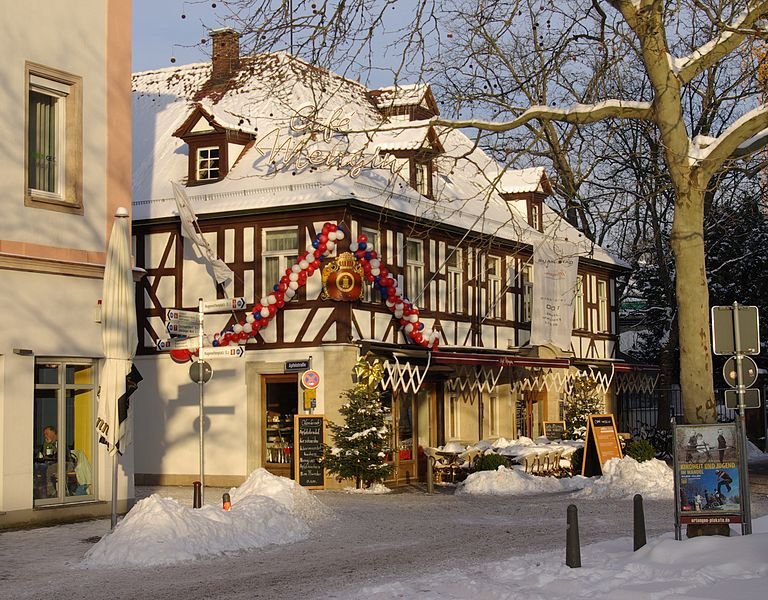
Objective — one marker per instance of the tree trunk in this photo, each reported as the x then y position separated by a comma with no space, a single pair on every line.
693,307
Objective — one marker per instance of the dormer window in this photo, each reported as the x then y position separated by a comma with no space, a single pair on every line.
534,214
422,177
208,165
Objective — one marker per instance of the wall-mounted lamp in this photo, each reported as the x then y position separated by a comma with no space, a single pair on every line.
23,352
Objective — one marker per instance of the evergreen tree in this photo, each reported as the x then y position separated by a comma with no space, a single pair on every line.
360,445
584,400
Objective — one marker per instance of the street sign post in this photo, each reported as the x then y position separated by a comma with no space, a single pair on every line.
751,398
177,344
748,371
181,316
223,304
200,371
182,328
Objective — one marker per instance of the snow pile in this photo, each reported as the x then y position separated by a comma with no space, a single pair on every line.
159,531
516,482
623,478
754,454
702,568
376,488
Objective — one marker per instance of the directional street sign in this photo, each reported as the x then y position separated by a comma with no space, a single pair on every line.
177,344
182,316
222,352
182,328
223,304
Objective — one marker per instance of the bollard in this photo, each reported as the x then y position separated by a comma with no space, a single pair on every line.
572,547
226,502
430,474
197,494
640,540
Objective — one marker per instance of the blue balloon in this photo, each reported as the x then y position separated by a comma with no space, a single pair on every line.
315,243
275,287
257,316
215,343
421,325
368,256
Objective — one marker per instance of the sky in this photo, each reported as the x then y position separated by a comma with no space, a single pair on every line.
268,509
160,32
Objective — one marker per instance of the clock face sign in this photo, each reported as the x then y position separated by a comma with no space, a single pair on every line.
310,379
342,279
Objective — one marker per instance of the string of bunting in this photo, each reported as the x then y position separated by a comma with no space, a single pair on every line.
296,276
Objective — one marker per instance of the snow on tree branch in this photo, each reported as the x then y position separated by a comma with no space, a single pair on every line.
746,135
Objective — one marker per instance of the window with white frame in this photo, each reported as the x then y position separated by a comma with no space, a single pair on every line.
54,151
280,251
455,279
578,303
422,178
602,306
414,269
208,163
493,414
535,216
370,293
494,286
527,285
453,408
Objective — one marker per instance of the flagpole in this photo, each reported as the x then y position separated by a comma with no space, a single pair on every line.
114,490
200,388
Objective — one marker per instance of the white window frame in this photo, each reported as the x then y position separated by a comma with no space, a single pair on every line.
493,413
212,170
578,303
421,175
414,269
526,277
603,322
453,410
370,293
493,270
454,262
286,257
66,150
535,217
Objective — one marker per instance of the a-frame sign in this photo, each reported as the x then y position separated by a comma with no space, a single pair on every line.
600,445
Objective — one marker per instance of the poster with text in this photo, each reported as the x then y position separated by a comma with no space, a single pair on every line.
707,474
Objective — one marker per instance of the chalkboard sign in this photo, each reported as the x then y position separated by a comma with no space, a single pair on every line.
601,444
554,430
308,439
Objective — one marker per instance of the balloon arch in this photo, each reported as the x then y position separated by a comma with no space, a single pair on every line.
284,290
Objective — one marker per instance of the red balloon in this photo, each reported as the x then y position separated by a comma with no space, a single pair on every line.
181,355
417,337
362,238
315,264
272,309
310,270
332,227
280,303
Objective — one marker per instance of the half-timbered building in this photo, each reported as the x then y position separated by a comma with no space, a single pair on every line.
351,226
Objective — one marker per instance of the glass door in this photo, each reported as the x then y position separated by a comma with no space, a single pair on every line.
63,441
281,401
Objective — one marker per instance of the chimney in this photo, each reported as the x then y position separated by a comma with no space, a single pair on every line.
226,54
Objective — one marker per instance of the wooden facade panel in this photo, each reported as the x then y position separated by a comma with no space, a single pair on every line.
162,292
318,323
159,251
363,324
330,334
229,246
293,322
249,244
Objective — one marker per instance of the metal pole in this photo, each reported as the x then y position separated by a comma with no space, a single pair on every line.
200,388
741,430
639,523
572,546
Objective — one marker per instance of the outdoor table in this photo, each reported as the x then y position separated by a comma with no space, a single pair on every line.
451,458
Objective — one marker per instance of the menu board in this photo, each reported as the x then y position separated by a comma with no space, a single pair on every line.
554,430
308,439
601,444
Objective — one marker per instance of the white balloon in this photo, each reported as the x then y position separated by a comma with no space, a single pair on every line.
332,236
295,268
389,303
293,285
290,292
264,301
237,328
310,248
248,328
271,299
399,306
369,247
408,328
303,265
330,246
265,312
413,318
353,247
339,235
375,272
292,277
249,318
398,314
375,263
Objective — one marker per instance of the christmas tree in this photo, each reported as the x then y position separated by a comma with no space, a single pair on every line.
584,400
360,445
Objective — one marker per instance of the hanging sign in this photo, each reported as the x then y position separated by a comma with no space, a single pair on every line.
342,278
601,444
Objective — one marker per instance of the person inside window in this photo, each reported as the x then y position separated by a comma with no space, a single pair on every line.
46,464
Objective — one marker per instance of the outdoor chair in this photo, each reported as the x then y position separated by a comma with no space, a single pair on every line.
442,471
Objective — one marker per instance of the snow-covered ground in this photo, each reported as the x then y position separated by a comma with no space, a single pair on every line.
501,535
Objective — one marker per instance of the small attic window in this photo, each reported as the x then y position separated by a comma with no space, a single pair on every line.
208,156
421,177
208,161
534,214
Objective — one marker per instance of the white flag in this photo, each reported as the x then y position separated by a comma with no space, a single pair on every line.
189,230
555,275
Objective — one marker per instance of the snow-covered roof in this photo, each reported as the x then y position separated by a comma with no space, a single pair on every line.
317,136
401,95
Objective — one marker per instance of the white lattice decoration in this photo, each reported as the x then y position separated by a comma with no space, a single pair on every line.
403,377
475,379
635,381
552,380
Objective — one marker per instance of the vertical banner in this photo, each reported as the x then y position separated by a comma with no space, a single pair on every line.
555,271
707,480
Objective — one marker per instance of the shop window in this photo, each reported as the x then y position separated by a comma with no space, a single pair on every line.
453,408
280,251
414,269
281,403
63,440
54,146
455,279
